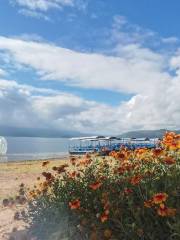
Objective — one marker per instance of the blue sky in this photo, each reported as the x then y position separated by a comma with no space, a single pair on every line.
108,63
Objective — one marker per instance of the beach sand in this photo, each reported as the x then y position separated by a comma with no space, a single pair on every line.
11,176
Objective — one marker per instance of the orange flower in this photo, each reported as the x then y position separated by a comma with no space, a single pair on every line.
169,137
157,152
141,151
159,198
112,154
104,217
171,212
164,211
171,140
95,186
169,160
74,204
148,203
135,180
73,174
120,155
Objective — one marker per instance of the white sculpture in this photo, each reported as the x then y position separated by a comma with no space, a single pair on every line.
3,146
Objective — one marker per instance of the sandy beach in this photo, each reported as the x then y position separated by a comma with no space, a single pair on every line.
12,174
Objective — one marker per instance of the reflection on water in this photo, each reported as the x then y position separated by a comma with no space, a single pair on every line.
27,148
3,158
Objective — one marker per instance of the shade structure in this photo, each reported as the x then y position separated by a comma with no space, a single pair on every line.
3,146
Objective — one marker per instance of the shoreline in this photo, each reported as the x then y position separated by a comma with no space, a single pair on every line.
4,159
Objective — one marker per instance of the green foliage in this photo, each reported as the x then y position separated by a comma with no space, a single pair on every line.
128,195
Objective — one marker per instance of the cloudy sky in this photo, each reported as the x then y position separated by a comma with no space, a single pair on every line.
92,66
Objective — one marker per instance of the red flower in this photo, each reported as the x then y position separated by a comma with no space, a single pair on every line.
135,180
128,191
148,203
157,151
169,160
72,175
159,198
95,186
141,151
74,204
104,217
164,211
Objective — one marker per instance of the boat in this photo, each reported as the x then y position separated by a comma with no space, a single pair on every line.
103,145
85,145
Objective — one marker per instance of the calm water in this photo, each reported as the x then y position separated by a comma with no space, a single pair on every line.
27,148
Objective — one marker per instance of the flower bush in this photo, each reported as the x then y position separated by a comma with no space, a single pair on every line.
127,195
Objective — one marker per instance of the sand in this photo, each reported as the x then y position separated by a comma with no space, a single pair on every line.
11,176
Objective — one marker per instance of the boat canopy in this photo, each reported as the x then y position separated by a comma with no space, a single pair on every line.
86,138
95,138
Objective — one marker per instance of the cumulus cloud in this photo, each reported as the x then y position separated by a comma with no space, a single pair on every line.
136,70
152,77
28,106
24,105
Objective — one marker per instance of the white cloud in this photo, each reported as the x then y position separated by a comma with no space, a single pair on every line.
39,8
43,5
135,70
27,106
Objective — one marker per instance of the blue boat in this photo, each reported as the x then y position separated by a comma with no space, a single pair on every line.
103,145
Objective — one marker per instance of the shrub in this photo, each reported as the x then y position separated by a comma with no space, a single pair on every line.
127,195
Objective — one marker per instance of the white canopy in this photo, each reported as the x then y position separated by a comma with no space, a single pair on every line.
3,146
87,138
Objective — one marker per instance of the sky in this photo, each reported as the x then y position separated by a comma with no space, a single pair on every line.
91,66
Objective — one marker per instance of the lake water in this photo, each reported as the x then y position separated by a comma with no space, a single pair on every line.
29,148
